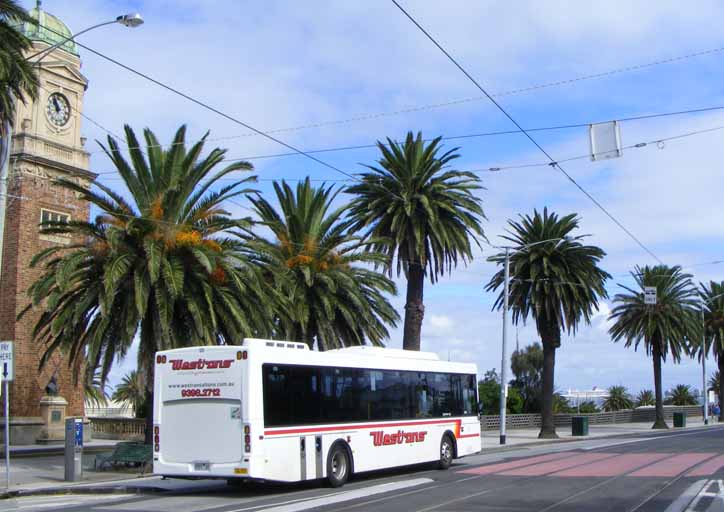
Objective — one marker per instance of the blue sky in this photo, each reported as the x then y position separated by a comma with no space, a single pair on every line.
283,65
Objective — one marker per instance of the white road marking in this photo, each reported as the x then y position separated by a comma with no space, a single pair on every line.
344,496
53,502
713,489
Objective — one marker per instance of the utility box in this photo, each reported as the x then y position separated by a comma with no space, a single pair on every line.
679,419
73,449
579,425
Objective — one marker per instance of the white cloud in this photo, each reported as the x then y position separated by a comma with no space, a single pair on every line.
279,64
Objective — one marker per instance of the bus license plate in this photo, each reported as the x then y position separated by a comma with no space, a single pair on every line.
201,466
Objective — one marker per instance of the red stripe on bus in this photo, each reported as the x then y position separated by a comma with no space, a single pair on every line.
468,435
357,427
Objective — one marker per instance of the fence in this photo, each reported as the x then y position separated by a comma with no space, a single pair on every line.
513,421
128,429
132,429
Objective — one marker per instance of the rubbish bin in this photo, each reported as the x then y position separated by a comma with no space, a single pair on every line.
579,425
679,419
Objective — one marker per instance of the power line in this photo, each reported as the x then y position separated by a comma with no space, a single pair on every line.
659,142
553,163
452,137
433,106
213,109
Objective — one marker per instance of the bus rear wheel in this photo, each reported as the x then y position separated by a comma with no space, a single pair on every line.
446,452
338,466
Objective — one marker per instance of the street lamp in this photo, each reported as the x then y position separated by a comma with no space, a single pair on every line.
129,20
503,359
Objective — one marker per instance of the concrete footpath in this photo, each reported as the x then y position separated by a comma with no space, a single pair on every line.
34,472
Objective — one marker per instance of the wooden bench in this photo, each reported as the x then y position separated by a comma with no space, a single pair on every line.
127,452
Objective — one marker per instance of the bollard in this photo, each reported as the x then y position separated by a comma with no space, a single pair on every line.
73,449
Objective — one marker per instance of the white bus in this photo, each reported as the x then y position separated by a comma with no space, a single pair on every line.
275,410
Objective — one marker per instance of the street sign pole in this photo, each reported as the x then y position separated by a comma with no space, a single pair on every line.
8,374
7,426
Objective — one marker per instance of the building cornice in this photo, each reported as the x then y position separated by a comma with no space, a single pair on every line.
53,164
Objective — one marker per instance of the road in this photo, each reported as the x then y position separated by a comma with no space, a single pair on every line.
671,472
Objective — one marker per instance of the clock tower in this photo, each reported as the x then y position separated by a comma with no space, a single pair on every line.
46,144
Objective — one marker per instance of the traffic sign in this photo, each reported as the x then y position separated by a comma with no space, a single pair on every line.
7,368
650,295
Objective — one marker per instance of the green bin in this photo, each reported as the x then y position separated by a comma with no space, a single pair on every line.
679,419
579,426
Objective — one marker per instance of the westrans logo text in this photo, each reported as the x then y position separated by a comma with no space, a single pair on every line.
200,364
379,438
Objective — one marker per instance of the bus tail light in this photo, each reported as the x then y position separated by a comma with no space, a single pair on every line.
247,438
156,438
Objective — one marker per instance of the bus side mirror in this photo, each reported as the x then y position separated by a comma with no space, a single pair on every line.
480,408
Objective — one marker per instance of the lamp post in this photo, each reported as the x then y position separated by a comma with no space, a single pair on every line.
504,355
129,20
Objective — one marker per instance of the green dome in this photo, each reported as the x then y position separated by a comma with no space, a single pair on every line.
49,30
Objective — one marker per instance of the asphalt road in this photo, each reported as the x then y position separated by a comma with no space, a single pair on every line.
672,471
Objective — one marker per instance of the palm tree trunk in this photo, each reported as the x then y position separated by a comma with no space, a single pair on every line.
660,422
720,391
548,426
148,438
147,367
414,308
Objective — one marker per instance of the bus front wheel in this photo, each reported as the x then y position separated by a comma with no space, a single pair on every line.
446,452
338,466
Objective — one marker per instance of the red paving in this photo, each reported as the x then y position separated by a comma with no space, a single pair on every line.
708,468
495,468
673,465
616,466
602,464
557,465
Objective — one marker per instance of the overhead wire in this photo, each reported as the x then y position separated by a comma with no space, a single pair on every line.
658,141
556,83
553,162
214,110
352,147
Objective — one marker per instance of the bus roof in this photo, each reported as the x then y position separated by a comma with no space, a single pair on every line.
360,356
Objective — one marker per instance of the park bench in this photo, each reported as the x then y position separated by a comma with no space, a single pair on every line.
126,452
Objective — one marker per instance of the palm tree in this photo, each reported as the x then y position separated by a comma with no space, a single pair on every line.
588,407
645,397
421,213
618,399
18,79
712,296
132,391
94,390
561,405
666,327
319,267
681,395
159,265
556,279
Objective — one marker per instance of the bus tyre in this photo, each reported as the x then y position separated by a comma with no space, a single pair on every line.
338,466
446,452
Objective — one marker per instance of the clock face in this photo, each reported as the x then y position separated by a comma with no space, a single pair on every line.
58,109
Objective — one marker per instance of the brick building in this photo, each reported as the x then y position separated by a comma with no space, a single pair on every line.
46,144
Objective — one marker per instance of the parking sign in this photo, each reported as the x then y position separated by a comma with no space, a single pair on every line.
7,368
